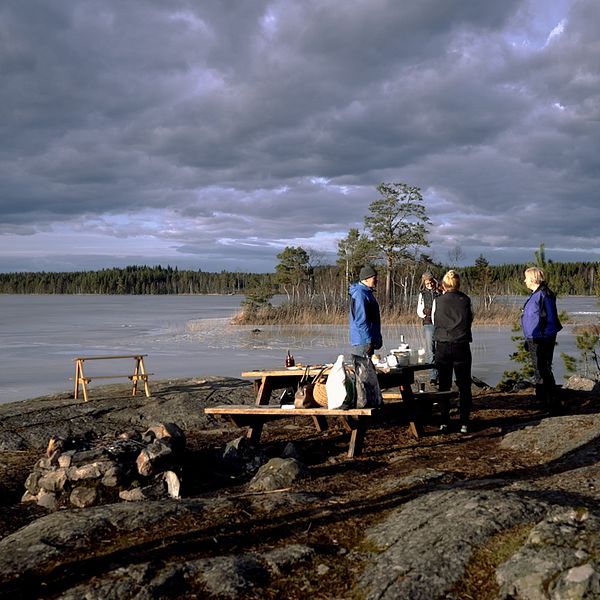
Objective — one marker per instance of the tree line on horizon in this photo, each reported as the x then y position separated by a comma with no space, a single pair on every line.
130,280
577,278
393,239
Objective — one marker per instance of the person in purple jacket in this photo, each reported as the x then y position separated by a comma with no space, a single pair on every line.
540,324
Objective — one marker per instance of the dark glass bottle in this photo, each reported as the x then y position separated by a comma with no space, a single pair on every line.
289,360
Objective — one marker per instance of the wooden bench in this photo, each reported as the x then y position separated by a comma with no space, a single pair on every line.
354,420
254,417
139,373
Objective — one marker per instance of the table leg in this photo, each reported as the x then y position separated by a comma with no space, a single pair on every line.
264,391
348,424
357,438
320,423
254,431
414,426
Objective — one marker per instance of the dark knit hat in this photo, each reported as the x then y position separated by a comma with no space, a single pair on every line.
366,272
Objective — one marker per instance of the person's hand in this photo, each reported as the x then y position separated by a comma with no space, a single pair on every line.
370,349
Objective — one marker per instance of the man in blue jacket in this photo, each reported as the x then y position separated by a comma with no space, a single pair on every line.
365,321
365,337
540,325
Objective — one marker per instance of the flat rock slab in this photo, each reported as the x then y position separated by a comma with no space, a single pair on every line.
65,540
425,546
219,576
31,423
559,560
65,536
555,437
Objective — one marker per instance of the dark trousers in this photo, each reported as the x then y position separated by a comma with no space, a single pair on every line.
455,357
541,354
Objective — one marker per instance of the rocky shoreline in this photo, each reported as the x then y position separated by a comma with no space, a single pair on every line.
508,511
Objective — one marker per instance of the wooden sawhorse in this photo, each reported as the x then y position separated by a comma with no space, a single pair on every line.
139,373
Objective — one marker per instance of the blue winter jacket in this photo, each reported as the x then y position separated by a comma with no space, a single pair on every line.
540,316
365,322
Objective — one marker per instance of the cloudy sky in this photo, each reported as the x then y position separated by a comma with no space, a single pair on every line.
211,134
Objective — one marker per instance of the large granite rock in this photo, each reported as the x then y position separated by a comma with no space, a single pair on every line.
425,522
424,547
278,473
560,560
579,383
554,437
31,423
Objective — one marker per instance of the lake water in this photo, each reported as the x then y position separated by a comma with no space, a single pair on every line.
190,336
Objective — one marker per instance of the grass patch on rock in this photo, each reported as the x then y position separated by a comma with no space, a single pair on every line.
479,581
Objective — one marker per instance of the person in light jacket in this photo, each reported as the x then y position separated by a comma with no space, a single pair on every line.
428,292
540,324
452,317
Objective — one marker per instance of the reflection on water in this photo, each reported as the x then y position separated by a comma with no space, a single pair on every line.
220,334
491,348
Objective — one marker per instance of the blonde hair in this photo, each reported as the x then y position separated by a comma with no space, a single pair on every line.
451,281
535,274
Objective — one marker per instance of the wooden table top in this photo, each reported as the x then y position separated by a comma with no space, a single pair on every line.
313,370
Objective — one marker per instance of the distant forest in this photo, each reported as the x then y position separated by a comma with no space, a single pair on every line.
130,280
565,278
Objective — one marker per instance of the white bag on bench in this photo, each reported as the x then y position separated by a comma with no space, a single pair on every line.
340,388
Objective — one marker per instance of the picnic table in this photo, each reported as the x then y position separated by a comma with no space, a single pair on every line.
266,381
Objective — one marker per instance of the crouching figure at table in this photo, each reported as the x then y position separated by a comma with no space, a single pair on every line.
452,317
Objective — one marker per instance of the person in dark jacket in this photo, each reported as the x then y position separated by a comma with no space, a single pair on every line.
365,321
540,324
452,317
428,292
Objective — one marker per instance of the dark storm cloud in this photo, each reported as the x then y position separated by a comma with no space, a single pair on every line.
199,134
